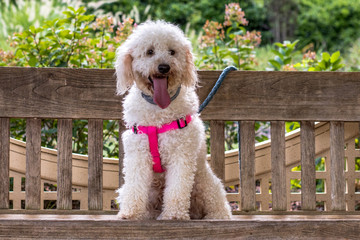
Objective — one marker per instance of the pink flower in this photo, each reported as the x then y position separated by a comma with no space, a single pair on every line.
233,13
213,30
309,55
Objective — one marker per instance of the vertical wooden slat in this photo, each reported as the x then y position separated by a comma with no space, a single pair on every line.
122,128
278,168
33,164
217,148
308,177
337,175
4,162
247,165
64,171
95,180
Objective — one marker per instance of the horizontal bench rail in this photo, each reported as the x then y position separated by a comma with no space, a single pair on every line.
244,95
240,227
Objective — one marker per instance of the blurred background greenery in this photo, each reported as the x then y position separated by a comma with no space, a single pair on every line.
266,35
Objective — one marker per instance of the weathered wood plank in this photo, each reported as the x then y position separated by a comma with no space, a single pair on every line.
247,165
33,164
257,95
337,158
217,148
64,171
61,93
122,128
4,162
245,95
95,149
241,227
278,168
308,178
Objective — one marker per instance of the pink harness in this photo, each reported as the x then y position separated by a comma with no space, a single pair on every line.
152,133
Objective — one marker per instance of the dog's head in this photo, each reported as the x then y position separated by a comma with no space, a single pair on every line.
157,58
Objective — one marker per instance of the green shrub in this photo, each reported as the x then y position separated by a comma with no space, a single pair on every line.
328,24
286,52
228,43
73,40
15,15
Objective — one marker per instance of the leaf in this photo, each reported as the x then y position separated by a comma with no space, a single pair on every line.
81,10
289,51
292,45
110,55
291,126
275,64
71,8
30,40
311,69
335,56
32,61
277,53
322,65
337,65
325,56
279,60
240,32
86,18
61,22
287,61
64,33
280,45
69,14
32,29
75,62
215,49
282,51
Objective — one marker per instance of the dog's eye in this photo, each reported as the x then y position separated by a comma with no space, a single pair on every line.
150,52
172,52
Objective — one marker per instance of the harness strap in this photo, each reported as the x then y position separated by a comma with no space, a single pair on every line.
152,133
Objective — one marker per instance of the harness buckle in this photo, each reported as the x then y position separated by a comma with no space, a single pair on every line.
179,124
135,130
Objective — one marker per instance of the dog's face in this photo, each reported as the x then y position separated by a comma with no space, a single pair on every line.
157,58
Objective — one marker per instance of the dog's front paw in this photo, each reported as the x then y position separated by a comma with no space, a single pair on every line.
174,216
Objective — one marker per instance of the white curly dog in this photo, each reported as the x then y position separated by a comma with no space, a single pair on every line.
165,169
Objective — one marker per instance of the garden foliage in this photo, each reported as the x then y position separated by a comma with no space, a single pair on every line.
328,24
285,54
73,40
228,43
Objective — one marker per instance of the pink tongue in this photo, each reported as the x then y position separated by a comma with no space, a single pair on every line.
161,95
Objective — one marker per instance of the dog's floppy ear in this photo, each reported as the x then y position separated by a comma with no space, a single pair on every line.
123,67
190,76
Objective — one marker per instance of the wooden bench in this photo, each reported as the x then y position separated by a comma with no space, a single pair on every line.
246,97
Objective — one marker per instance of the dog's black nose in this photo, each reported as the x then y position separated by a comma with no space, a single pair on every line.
164,68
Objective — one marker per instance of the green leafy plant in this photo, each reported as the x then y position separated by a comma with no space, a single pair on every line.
228,43
326,63
328,24
284,55
73,40
70,41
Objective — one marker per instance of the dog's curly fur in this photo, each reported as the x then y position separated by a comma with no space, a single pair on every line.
188,188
